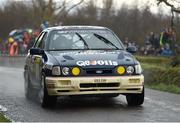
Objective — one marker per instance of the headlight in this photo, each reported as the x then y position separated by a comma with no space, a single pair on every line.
56,70
76,71
130,70
121,70
138,69
65,71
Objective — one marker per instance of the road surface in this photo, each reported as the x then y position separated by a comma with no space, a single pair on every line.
158,106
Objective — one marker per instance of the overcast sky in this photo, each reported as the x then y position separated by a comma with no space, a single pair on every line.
141,3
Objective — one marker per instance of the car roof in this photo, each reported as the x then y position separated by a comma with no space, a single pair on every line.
75,27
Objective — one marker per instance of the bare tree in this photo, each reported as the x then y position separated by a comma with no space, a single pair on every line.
107,12
52,10
126,22
171,3
175,7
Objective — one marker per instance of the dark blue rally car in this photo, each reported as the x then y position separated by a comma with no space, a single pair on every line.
82,60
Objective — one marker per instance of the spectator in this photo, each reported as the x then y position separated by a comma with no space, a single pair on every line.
1,47
44,25
166,51
32,40
154,40
164,37
172,37
13,47
126,42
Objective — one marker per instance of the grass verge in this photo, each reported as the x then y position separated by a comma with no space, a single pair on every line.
3,119
163,87
154,59
160,75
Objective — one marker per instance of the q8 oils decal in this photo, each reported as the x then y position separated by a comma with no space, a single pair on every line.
97,62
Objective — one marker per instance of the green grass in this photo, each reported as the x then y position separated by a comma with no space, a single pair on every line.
156,74
159,74
153,66
154,59
163,87
3,119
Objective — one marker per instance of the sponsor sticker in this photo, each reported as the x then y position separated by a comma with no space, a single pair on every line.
84,31
89,52
97,62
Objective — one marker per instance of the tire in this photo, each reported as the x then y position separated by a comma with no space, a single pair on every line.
135,99
27,86
46,100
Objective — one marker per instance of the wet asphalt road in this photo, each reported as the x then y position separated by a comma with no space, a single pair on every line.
158,106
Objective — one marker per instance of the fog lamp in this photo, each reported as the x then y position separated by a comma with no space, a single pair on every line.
121,70
76,71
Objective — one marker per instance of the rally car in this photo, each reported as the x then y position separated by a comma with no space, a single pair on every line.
82,60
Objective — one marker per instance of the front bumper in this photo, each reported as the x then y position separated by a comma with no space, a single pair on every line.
94,85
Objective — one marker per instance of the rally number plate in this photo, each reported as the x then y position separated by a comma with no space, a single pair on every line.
100,80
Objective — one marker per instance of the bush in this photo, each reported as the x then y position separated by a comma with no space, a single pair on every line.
164,87
161,74
175,61
3,119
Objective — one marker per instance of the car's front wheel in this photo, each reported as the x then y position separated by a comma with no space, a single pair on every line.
45,99
135,99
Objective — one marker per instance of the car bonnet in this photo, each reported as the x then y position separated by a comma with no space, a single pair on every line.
90,58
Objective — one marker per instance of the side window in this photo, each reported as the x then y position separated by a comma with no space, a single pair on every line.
42,42
39,40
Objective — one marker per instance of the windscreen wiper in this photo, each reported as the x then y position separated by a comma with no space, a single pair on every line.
105,40
82,39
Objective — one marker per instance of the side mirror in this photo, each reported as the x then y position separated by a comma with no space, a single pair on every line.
36,51
131,49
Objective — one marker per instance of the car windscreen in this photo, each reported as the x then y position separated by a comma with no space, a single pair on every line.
83,40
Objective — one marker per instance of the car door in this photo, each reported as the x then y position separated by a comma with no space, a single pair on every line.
30,61
37,61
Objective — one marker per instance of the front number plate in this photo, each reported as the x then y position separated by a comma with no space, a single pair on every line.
100,80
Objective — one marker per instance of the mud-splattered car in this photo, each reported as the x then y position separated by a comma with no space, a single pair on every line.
82,60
